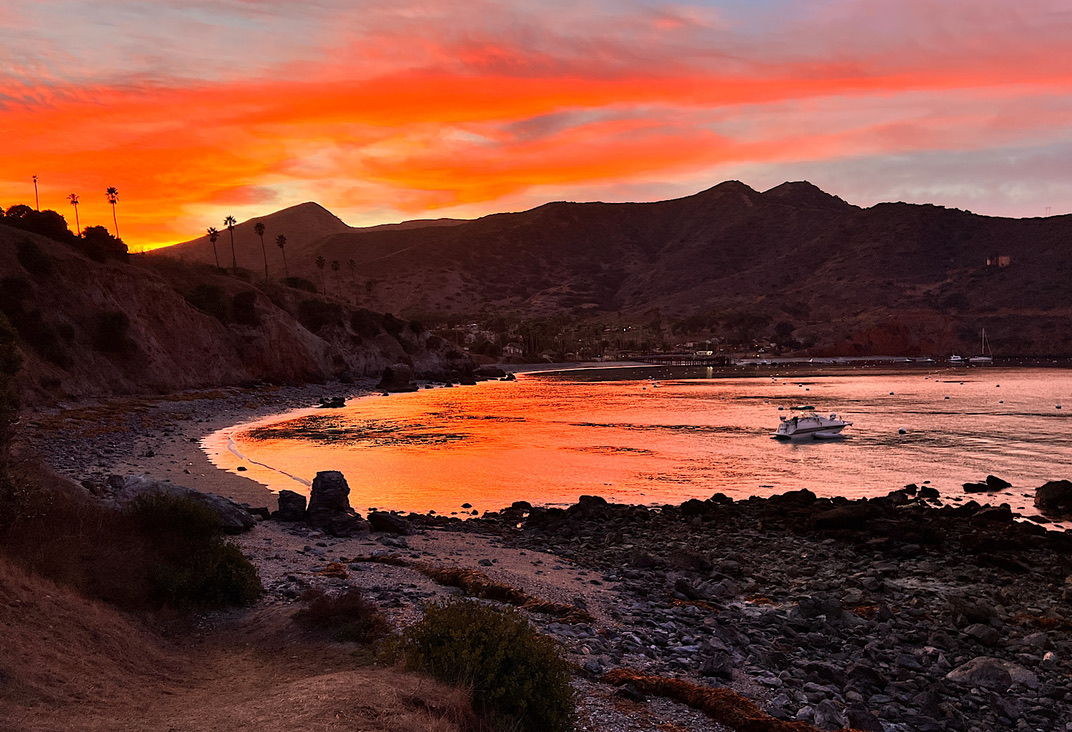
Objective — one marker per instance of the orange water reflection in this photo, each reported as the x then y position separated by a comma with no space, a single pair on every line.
550,440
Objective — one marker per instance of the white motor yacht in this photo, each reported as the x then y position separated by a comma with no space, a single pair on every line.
806,423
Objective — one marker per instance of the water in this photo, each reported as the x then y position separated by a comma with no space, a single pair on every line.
549,438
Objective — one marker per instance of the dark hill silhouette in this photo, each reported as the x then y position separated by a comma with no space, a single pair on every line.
893,278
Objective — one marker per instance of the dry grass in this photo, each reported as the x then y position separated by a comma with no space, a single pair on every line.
73,664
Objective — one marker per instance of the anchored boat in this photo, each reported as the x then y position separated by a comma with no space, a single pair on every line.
806,423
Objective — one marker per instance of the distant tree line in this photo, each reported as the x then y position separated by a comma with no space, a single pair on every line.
96,242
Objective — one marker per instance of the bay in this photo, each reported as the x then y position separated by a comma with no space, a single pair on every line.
656,436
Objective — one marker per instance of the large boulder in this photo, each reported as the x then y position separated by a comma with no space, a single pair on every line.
390,524
329,506
397,377
853,517
993,673
122,490
291,506
1054,498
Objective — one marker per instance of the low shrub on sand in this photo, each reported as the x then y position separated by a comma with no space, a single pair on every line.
348,616
516,675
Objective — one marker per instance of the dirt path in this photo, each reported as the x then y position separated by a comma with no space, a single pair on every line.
255,671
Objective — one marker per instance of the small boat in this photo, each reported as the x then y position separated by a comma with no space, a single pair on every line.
956,359
806,423
986,355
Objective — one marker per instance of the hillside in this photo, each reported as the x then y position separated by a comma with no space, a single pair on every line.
893,278
135,325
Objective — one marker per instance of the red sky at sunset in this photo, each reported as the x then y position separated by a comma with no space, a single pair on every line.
383,111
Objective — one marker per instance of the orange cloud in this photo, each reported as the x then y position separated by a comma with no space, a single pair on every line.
486,116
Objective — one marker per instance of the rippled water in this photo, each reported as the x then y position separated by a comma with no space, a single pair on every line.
551,438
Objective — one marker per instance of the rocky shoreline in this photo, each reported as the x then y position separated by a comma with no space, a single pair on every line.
889,613
881,614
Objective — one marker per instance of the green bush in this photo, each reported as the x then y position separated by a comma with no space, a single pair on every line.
348,616
46,338
365,323
299,283
32,259
209,299
516,675
15,294
98,244
393,325
316,314
110,334
189,563
243,306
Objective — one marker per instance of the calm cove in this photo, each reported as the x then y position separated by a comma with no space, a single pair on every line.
655,436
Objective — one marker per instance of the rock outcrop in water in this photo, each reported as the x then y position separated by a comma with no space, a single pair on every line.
329,506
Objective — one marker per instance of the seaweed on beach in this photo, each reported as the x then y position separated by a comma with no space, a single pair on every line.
338,430
724,706
478,584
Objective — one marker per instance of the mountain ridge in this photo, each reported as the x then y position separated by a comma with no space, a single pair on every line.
913,278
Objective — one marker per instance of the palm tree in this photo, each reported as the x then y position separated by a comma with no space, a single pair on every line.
353,276
113,198
229,222
73,198
37,198
281,242
213,235
259,229
320,262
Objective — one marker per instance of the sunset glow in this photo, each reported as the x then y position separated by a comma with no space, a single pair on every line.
387,111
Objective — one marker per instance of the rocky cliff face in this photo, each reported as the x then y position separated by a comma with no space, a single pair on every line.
134,326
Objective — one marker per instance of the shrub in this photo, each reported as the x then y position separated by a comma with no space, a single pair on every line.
46,223
209,299
110,334
189,563
15,293
299,283
516,675
98,244
316,314
244,309
32,259
10,362
365,323
45,338
348,616
393,325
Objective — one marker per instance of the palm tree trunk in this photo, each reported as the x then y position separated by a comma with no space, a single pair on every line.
234,260
265,254
286,269
115,221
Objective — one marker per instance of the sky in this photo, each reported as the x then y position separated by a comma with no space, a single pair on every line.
386,110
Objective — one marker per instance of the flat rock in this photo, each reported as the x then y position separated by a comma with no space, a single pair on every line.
234,518
1054,498
989,673
391,524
